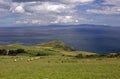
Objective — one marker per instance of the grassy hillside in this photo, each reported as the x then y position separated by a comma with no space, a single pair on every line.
50,48
55,60
58,67
56,45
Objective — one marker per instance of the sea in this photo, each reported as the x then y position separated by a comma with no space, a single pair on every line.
91,38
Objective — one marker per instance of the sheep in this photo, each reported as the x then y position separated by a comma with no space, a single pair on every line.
21,58
31,59
37,58
28,60
15,60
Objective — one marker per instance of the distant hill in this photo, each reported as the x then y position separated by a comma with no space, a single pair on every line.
30,26
49,48
56,45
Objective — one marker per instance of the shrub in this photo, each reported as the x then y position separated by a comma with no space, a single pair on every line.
44,53
3,52
11,52
20,51
80,56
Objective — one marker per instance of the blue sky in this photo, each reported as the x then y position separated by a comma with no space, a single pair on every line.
48,12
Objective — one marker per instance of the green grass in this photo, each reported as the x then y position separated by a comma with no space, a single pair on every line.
59,67
60,63
50,48
44,49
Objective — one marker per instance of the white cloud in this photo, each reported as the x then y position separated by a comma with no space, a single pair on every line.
31,21
68,19
46,7
112,2
21,22
105,10
4,5
38,12
35,21
45,13
17,8
77,1
63,19
110,7
55,7
5,2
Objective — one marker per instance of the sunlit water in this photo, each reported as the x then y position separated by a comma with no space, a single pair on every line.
100,39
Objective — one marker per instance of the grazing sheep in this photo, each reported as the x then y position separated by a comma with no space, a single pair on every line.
21,58
15,60
37,58
28,60
31,59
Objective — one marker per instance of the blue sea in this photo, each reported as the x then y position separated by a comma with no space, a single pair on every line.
91,38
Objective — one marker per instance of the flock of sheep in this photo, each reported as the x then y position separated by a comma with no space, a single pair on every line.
28,60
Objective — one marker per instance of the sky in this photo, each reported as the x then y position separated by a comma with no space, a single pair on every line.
65,12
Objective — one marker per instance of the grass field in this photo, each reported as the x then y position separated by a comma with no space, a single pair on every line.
60,62
58,67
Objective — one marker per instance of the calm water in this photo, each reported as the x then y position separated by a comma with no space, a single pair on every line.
98,39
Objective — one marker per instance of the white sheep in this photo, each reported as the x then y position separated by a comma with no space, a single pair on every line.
21,58
31,59
37,58
28,60
15,60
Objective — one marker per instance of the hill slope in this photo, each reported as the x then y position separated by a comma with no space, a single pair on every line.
49,48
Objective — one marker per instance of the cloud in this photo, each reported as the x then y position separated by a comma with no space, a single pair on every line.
44,11
109,7
5,2
21,22
4,8
32,21
105,10
112,2
64,19
77,1
65,1
18,9
46,7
